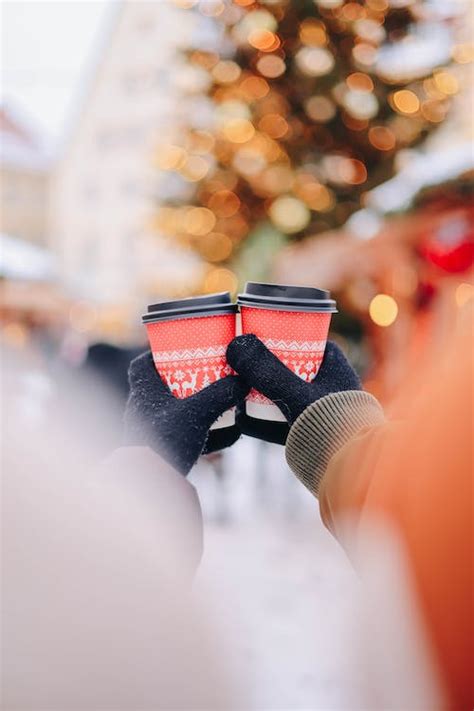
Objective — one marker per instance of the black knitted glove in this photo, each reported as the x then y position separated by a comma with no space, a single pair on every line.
178,429
263,371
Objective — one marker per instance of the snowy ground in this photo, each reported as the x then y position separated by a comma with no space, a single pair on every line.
281,584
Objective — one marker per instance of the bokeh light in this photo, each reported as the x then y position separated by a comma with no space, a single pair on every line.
267,147
312,33
199,221
463,53
434,111
237,226
220,279
431,90
238,130
352,11
207,60
446,82
264,40
406,129
226,72
194,169
318,197
314,61
382,138
257,20
271,66
320,108
274,125
224,203
364,54
276,179
378,5
329,4
215,247
353,123
406,101
360,104
249,161
231,109
289,214
369,30
341,169
383,310
185,4
254,87
464,293
360,82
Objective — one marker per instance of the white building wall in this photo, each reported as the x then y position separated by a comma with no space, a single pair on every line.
105,186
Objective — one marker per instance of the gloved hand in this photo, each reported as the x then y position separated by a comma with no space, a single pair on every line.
178,429
262,370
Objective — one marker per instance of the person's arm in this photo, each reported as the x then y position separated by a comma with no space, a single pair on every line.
163,438
143,485
415,474
97,603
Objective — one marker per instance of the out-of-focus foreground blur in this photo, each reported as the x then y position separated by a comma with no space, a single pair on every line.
171,148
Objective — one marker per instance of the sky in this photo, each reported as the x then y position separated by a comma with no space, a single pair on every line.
47,46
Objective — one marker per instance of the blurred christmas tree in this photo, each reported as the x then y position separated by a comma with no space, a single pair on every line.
311,101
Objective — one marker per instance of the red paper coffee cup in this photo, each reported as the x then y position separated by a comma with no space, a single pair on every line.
188,339
293,322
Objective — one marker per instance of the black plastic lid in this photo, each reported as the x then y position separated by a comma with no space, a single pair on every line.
285,297
191,307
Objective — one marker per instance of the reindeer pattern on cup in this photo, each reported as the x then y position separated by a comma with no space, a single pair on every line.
188,371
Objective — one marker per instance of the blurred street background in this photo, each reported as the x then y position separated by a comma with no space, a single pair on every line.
154,149
160,149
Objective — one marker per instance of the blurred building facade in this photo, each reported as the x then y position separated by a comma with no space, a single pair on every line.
24,184
105,185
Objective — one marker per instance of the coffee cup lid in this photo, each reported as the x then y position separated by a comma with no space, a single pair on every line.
190,307
285,297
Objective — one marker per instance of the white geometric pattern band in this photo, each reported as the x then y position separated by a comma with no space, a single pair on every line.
301,346
188,354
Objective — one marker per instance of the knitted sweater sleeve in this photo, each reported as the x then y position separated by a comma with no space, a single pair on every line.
324,428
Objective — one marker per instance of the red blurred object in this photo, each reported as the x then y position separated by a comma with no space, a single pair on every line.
450,246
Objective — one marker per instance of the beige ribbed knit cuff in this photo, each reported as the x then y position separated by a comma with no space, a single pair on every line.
323,428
